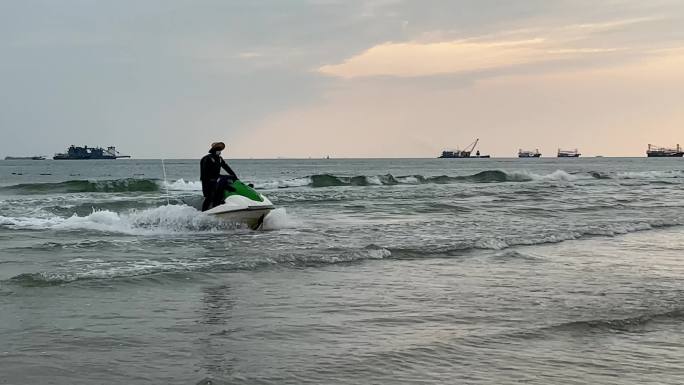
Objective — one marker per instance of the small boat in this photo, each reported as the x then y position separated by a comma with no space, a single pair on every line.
664,152
568,153
242,204
529,154
24,158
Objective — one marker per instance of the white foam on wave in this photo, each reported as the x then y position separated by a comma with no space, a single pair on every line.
558,175
278,220
30,223
625,228
517,175
158,220
182,185
408,180
651,174
491,243
274,184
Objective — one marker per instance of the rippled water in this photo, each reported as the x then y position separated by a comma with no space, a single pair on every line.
371,271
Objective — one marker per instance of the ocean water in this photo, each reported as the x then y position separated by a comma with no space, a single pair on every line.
401,271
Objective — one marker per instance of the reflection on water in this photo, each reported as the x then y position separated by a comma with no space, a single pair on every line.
217,354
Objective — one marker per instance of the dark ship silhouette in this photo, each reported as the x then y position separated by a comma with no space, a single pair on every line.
568,153
85,152
529,154
664,152
467,153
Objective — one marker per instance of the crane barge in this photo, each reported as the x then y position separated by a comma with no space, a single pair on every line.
467,153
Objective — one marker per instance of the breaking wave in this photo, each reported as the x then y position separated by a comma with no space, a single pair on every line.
668,174
182,185
158,220
80,186
169,219
489,176
330,180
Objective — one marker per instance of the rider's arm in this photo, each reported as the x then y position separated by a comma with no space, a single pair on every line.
228,169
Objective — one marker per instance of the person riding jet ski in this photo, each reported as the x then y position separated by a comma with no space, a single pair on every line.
213,185
226,197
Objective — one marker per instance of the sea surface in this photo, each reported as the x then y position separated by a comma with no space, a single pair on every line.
397,271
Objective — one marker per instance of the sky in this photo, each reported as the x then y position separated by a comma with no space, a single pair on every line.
344,78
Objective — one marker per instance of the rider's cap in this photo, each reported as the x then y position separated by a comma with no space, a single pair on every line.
218,146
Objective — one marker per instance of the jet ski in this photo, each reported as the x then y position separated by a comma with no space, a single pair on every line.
242,204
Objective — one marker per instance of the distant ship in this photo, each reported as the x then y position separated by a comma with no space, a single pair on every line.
85,152
467,153
568,153
663,152
529,154
24,158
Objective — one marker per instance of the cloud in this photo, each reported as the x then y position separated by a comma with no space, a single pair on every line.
434,53
249,55
414,59
612,25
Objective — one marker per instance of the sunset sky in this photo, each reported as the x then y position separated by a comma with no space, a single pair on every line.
381,78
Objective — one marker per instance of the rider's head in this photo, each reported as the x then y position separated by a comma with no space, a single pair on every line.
217,147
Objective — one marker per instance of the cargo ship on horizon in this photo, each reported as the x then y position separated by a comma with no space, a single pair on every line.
529,154
568,153
664,152
89,153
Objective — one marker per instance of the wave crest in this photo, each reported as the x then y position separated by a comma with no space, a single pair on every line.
330,180
488,176
158,220
618,324
168,219
81,186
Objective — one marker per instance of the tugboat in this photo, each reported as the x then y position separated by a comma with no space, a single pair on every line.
529,154
467,153
85,152
568,153
663,152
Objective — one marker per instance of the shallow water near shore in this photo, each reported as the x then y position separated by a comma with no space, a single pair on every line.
480,271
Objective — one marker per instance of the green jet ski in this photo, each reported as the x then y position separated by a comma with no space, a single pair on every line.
242,204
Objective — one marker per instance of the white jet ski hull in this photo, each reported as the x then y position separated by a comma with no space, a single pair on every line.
242,210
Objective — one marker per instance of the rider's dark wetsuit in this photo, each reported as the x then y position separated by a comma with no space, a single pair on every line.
210,169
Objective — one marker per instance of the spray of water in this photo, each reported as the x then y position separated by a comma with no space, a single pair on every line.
166,185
